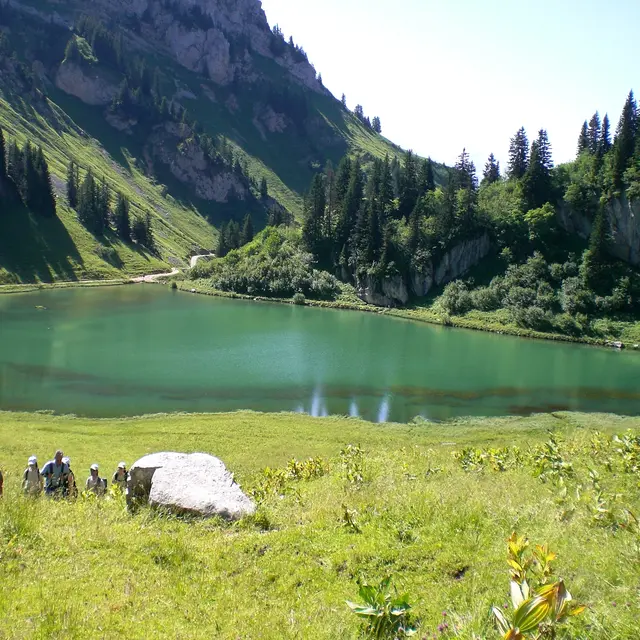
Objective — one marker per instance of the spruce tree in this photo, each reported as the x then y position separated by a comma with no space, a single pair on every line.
605,136
386,190
537,184
3,161
264,189
246,236
491,171
625,141
583,138
518,154
46,200
15,166
594,133
376,125
73,179
122,218
351,205
408,185
30,190
222,247
314,211
88,212
343,100
465,172
426,179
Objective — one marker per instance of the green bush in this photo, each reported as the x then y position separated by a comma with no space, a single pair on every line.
455,299
274,265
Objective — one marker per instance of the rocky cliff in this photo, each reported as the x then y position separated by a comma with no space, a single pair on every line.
393,290
624,226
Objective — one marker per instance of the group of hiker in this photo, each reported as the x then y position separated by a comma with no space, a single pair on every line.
57,479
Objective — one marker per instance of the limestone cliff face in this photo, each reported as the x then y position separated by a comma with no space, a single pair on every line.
207,48
174,146
89,87
624,224
391,291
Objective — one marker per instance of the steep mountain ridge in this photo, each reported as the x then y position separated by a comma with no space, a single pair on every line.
200,101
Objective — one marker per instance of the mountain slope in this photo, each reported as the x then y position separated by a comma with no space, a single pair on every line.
184,107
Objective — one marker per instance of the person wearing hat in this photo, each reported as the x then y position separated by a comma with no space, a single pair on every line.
95,484
32,479
120,477
70,489
55,474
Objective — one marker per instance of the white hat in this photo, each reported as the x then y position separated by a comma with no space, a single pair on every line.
66,460
122,465
94,467
33,460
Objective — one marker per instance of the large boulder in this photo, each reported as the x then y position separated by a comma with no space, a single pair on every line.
187,483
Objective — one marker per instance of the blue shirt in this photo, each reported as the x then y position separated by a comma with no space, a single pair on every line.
54,474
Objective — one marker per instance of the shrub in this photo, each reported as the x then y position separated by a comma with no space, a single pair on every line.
486,298
532,318
455,299
298,298
575,297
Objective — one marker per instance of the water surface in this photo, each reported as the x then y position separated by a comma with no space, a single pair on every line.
113,351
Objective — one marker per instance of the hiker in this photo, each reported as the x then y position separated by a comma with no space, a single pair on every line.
32,478
70,489
55,474
95,484
120,477
1,483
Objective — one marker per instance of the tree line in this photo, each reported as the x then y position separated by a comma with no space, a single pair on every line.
92,199
25,174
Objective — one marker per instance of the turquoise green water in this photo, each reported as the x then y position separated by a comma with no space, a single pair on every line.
113,351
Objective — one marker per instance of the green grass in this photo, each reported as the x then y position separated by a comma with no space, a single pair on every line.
90,569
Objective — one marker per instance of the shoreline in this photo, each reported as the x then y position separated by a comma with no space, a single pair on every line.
406,313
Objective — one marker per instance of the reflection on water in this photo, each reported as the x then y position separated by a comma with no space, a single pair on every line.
126,351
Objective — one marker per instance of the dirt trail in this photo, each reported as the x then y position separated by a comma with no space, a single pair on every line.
154,277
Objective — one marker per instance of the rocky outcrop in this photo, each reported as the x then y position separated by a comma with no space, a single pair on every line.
461,258
392,291
623,217
174,145
88,87
195,483
385,292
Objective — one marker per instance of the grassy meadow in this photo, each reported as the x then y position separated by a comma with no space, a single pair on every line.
399,503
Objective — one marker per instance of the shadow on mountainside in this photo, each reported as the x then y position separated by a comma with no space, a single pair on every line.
36,248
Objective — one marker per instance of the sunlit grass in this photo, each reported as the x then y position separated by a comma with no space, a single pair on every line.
89,568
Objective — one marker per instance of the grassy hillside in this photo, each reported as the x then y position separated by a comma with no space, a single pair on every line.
34,249
405,507
68,129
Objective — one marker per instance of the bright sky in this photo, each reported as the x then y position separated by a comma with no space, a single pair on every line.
448,74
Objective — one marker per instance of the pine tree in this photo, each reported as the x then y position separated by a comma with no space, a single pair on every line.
15,166
536,184
73,179
376,125
31,182
491,171
122,218
594,261
408,185
3,161
223,247
343,100
246,236
358,112
103,203
426,180
518,154
466,172
594,133
625,141
46,200
264,189
88,204
313,224
583,138
350,206
605,136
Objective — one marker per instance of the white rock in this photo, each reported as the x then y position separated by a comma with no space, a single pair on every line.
196,483
90,88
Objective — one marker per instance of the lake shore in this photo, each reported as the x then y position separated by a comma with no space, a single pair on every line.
414,512
348,301
475,321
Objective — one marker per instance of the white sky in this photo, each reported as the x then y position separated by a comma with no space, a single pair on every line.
448,74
